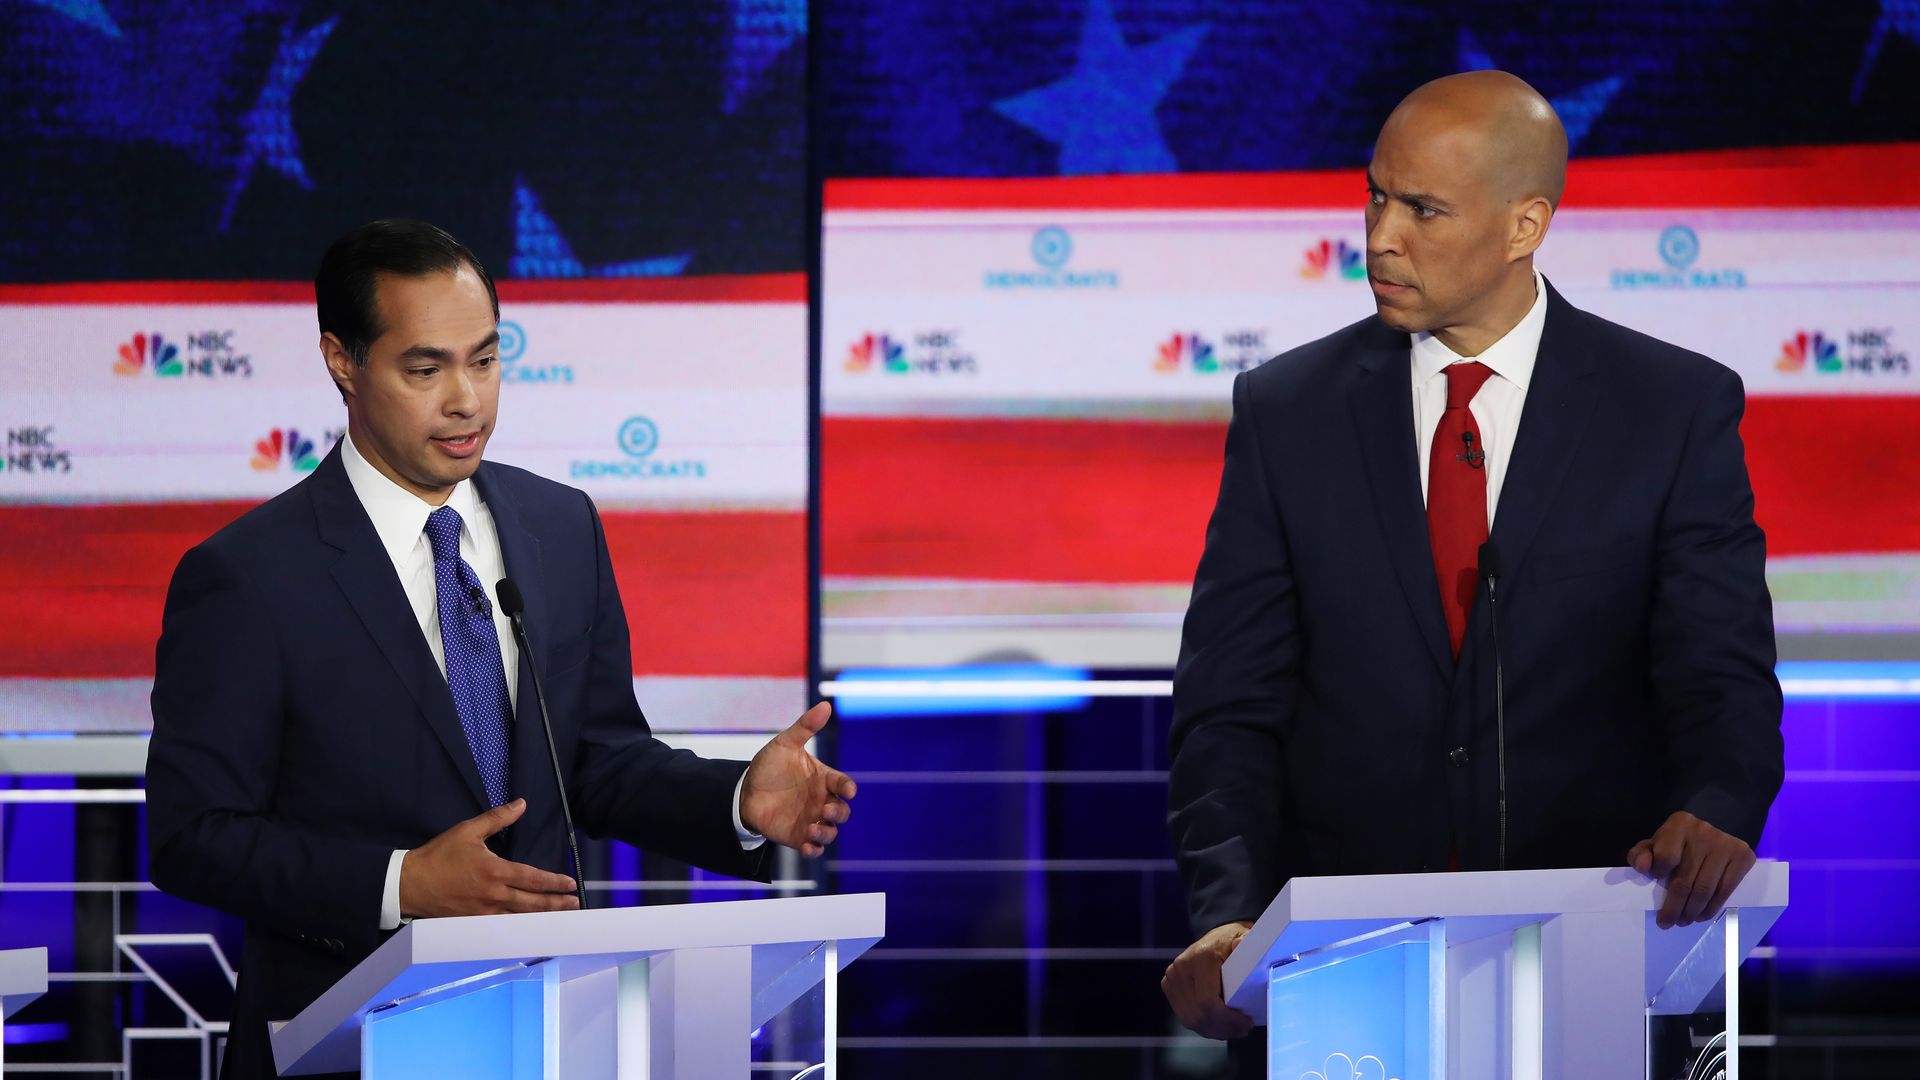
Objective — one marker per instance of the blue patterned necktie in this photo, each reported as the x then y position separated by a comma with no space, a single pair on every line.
475,673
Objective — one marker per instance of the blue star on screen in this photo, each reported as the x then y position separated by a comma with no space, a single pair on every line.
1578,109
86,12
761,30
540,249
1102,115
267,131
1896,16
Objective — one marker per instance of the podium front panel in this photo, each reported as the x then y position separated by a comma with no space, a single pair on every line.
1371,1009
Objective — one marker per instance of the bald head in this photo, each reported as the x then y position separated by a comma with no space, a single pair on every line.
1496,122
1464,182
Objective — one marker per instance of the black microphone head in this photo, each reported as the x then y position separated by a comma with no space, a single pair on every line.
1489,563
510,603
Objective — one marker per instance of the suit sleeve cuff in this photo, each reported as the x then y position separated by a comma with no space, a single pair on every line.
390,918
749,840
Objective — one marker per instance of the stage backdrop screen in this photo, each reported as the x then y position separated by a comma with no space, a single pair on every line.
1026,382
632,177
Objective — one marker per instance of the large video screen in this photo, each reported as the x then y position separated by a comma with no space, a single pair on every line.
1025,382
632,177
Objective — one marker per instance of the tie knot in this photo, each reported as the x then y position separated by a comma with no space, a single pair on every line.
1464,380
443,532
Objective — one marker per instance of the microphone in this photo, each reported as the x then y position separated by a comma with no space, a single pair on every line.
1472,455
1490,573
477,597
512,606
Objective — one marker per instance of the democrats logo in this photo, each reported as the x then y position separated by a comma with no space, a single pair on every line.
1867,352
1237,350
1052,247
1052,250
207,354
1679,248
514,368
639,438
1342,1067
929,353
31,450
1334,259
286,447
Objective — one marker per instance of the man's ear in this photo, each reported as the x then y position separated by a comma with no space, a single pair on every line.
1529,228
340,366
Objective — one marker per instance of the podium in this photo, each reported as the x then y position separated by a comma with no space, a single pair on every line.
663,993
23,978
1524,974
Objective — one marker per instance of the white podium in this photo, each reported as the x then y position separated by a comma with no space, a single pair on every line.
23,978
1522,974
665,993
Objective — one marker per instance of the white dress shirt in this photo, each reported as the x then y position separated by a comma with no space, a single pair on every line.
400,520
1496,408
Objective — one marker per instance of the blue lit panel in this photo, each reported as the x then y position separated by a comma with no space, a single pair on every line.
493,1033
1367,1016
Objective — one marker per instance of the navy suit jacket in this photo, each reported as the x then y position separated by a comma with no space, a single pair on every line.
1321,724
303,731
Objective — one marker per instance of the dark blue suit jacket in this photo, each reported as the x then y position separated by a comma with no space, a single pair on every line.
1317,708
303,731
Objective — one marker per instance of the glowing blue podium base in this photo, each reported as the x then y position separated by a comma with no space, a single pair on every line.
23,978
1523,975
663,993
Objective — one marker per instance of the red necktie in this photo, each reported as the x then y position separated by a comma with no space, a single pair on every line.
1457,498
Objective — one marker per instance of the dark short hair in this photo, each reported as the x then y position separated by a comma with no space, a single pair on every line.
345,287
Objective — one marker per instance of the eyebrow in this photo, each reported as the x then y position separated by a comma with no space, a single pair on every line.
441,356
1424,198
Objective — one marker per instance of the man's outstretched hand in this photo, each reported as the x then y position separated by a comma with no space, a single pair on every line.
1192,985
1700,864
789,797
455,873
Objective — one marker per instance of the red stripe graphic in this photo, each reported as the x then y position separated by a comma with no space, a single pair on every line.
706,594
717,289
1779,177
1127,501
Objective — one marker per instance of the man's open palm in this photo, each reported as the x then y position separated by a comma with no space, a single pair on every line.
789,796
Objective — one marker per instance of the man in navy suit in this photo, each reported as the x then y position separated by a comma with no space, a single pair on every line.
344,732
1334,699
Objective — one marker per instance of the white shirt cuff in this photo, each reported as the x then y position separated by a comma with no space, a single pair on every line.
749,840
390,898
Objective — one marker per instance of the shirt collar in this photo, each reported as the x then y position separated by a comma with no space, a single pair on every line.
1512,357
399,516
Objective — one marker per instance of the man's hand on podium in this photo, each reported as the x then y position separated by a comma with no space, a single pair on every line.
789,797
1700,864
455,873
1192,985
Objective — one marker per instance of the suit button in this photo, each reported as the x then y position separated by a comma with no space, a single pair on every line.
1458,757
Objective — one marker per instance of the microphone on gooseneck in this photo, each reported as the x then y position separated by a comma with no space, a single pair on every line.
512,606
1490,573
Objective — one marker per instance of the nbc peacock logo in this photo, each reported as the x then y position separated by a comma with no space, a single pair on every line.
1334,258
876,349
1186,349
142,350
289,446
1804,349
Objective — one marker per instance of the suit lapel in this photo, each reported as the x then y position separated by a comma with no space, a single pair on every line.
1382,403
520,553
1553,421
365,574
